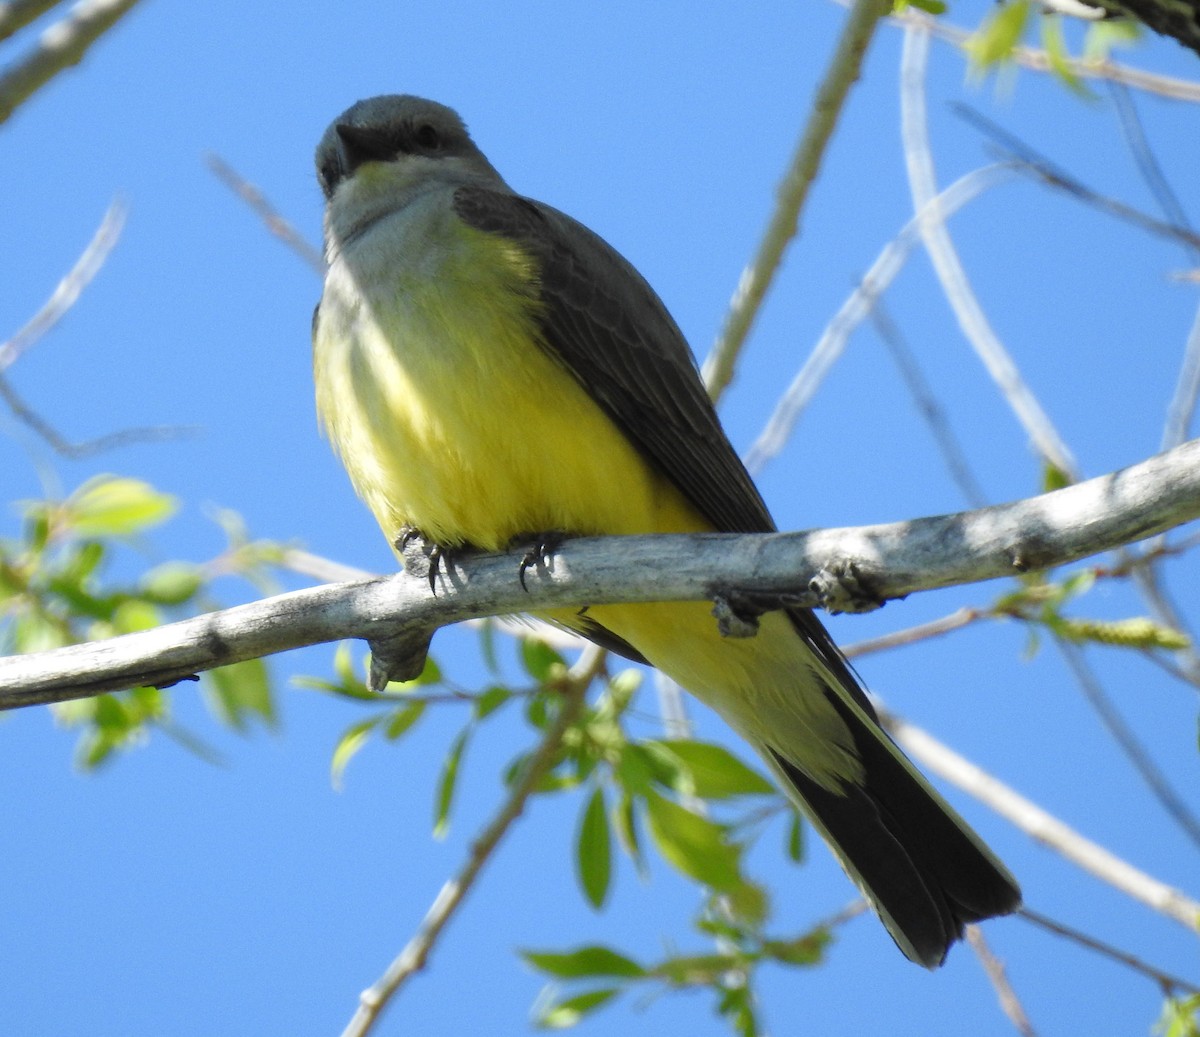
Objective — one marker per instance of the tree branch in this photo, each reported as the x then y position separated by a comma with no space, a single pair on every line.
993,967
844,69
62,45
951,273
839,569
1040,61
1043,827
16,14
412,959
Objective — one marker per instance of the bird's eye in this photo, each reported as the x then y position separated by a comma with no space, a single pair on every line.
428,137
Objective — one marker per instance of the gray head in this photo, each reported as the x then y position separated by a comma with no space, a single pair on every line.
392,128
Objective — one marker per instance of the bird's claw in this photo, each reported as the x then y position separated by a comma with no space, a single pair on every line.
538,553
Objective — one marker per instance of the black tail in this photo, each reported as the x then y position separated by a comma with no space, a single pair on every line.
923,869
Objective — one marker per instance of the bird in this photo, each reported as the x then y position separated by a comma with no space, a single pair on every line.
487,368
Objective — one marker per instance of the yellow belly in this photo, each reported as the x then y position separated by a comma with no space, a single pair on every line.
450,420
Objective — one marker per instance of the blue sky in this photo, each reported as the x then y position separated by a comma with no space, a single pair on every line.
168,895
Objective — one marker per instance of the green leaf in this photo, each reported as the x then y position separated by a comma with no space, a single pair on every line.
343,664
1180,1017
737,1004
1053,477
748,903
594,849
565,1014
116,722
536,711
632,770
1078,583
541,662
795,837
240,691
349,684
1108,33
37,525
715,772
584,962
660,765
694,845
487,646
621,689
171,583
83,560
431,673
1056,51
491,700
1138,632
134,615
696,969
401,719
352,740
447,782
108,506
625,823
999,34
806,950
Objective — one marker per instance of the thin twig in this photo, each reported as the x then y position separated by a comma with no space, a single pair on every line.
1040,61
316,567
843,71
275,222
67,293
1165,980
928,406
1181,411
1042,826
1128,742
921,632
950,271
857,308
1147,163
62,45
16,14
1032,163
1156,658
851,911
1165,611
89,447
414,956
1182,408
993,968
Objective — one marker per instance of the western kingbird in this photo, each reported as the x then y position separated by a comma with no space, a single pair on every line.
488,368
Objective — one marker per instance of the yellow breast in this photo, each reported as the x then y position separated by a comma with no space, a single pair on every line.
447,414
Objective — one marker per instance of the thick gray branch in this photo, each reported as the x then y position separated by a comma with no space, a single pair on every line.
838,569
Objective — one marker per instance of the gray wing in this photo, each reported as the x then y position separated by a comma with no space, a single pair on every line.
606,325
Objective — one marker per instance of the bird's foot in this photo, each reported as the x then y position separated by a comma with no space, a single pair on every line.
538,552
413,544
737,611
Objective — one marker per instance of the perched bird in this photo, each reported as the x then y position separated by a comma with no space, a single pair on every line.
487,368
